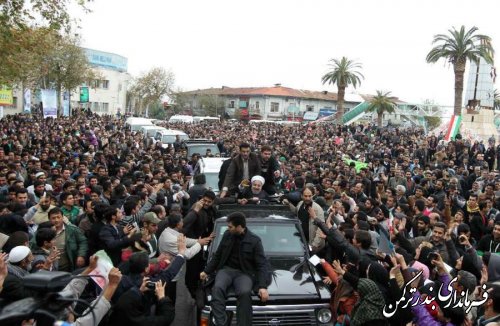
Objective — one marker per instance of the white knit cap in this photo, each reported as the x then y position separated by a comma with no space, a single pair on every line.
18,253
258,178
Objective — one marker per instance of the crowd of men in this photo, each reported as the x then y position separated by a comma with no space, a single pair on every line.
379,206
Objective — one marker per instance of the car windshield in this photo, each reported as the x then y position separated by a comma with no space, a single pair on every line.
212,180
170,139
202,149
277,238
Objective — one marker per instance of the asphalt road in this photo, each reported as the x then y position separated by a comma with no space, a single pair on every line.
185,309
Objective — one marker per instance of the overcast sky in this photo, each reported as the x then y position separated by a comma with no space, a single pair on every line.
210,43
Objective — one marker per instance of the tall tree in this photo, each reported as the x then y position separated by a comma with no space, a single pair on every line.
66,67
458,47
26,30
343,72
152,86
380,104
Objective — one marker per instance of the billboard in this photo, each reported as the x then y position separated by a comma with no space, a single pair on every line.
106,60
84,94
27,101
49,102
6,95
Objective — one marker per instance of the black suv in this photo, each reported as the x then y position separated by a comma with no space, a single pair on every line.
297,296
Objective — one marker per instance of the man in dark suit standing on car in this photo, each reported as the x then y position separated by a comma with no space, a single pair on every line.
239,262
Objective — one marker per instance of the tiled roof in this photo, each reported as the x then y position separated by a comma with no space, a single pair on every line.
267,91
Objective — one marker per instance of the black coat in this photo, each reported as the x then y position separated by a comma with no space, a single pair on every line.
252,259
234,174
134,308
114,241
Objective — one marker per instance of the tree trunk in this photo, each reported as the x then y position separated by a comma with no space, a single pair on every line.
59,106
459,69
340,103
379,119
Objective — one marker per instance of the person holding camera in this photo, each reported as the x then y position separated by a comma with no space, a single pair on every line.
138,294
442,242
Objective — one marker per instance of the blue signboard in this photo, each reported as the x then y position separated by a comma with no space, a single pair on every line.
106,60
325,112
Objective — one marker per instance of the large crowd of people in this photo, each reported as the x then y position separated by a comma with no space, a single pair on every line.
387,210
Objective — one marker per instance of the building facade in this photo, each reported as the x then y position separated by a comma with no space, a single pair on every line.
269,103
107,95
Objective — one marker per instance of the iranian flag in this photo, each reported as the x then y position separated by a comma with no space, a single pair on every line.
453,128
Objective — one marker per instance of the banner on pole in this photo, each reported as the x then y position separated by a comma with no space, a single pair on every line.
66,104
6,95
27,101
84,94
49,102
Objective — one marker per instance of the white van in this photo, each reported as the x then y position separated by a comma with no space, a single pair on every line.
168,136
210,166
135,124
200,119
181,118
150,131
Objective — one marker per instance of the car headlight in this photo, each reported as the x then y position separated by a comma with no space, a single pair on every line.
324,315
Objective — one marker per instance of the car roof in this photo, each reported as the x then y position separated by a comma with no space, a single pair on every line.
199,141
267,211
172,132
211,164
154,127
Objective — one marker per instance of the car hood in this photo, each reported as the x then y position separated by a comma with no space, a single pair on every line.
294,277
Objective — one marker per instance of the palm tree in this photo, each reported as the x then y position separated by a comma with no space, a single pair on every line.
343,73
380,104
458,47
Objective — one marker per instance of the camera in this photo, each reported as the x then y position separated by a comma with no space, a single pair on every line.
462,238
151,286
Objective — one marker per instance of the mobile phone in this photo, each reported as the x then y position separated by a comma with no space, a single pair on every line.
433,256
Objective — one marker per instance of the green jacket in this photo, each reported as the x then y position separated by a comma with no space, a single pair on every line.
76,244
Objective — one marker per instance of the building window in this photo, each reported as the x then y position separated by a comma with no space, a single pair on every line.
275,107
105,84
231,104
309,108
257,105
105,107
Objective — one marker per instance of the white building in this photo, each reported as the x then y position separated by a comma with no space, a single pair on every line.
106,96
272,103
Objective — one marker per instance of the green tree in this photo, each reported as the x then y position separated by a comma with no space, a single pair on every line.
66,67
343,72
380,104
211,104
458,47
157,111
26,29
151,87
432,122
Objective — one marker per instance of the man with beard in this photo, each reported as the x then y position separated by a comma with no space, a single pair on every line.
442,242
255,193
270,169
40,212
243,167
491,242
307,211
198,223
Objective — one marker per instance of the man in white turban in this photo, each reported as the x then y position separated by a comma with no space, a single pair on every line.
253,194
